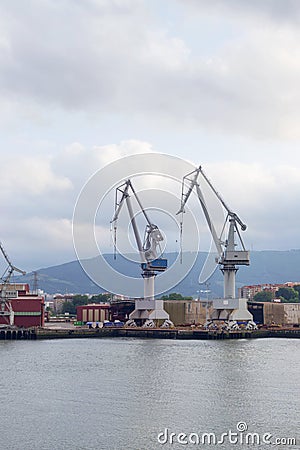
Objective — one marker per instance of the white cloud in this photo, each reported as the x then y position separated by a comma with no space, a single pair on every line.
274,10
28,175
36,241
213,81
265,198
75,65
79,163
115,57
123,61
39,195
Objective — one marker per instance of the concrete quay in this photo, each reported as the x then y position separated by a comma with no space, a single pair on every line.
147,333
17,334
159,333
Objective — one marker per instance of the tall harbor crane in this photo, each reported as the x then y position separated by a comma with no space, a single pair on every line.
148,311
6,309
230,309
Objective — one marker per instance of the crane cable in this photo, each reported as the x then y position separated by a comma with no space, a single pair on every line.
181,237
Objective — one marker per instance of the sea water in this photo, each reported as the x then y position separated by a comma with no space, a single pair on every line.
148,394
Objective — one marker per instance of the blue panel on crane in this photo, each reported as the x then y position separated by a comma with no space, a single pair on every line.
159,264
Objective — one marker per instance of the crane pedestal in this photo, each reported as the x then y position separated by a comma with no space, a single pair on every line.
149,313
149,309
232,312
231,309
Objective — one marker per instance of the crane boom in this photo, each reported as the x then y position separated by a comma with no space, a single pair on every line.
229,257
12,268
193,183
230,212
135,229
124,195
5,305
147,250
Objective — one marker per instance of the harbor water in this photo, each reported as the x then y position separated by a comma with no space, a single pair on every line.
148,394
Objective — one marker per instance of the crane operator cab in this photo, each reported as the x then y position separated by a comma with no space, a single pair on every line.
158,264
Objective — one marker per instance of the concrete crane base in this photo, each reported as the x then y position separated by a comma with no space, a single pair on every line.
149,309
231,309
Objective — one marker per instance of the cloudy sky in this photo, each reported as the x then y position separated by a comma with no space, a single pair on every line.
85,82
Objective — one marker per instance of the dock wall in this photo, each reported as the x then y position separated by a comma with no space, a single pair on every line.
18,334
158,333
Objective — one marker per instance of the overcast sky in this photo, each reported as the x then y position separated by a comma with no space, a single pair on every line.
88,81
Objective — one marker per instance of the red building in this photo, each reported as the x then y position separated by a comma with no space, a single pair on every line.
29,309
93,313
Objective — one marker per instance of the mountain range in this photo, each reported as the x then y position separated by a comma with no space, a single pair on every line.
265,267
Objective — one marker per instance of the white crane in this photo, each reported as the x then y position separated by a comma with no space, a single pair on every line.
230,309
148,311
5,305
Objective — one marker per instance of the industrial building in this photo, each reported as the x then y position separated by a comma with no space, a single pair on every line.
28,309
269,313
184,312
93,312
189,312
181,312
264,313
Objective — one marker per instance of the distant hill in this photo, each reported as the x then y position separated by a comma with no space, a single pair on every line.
265,267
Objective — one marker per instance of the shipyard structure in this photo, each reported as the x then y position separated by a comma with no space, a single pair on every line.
29,311
192,312
23,308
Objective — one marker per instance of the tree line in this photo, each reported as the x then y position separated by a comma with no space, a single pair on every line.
285,294
69,306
